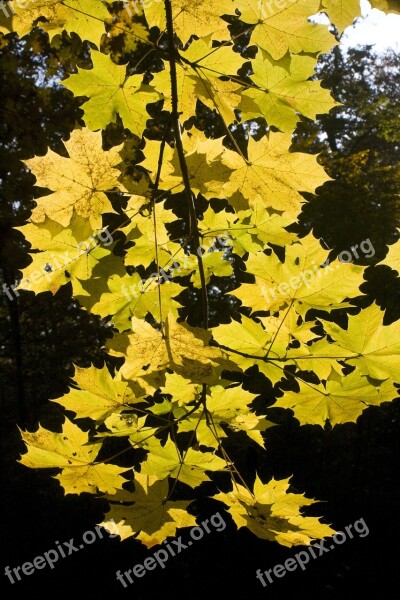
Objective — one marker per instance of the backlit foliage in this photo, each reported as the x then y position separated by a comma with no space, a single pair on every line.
177,394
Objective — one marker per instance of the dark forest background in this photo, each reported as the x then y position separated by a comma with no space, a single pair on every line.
353,468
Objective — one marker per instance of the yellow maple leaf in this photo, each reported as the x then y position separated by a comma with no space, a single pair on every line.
180,389
272,513
248,344
63,257
342,12
272,176
99,395
368,345
71,452
207,172
184,349
201,17
305,279
189,467
145,512
131,296
392,258
84,17
279,29
283,91
228,406
339,400
198,78
142,232
111,91
79,182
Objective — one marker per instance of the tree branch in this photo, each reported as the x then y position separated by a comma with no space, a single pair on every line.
193,226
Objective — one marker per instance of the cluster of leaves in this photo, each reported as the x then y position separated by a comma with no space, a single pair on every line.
170,190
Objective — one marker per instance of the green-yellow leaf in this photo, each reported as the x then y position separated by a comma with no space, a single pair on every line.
131,296
189,467
303,281
284,92
84,17
369,345
63,258
340,400
111,92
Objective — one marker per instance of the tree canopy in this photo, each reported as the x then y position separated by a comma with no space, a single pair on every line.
175,206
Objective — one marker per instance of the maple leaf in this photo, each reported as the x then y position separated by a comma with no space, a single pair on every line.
278,29
342,12
112,92
367,344
386,5
317,357
202,17
84,17
182,348
180,389
145,512
229,406
63,257
142,232
283,91
246,231
303,281
248,344
272,513
128,425
207,173
71,452
129,296
272,177
269,226
339,400
99,395
79,182
392,258
199,74
214,263
189,467
268,345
